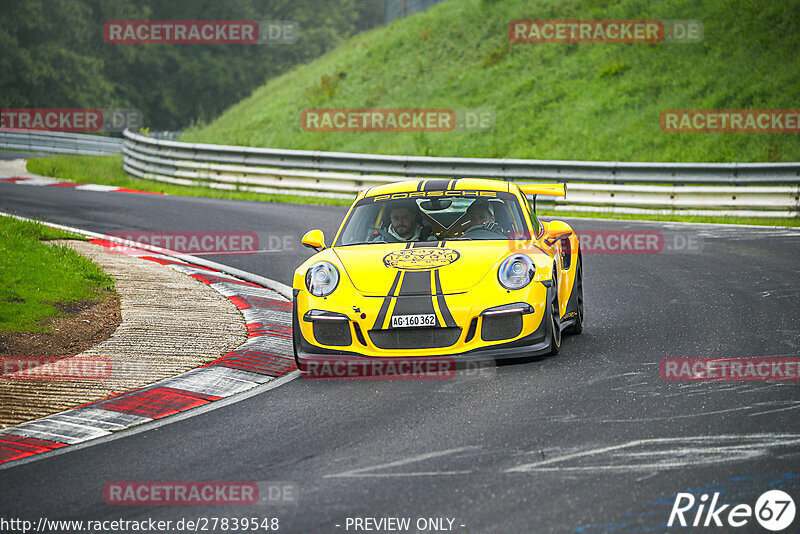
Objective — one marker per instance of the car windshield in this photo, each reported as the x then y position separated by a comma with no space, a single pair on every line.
476,215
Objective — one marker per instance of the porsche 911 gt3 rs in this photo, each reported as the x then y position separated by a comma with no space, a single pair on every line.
460,268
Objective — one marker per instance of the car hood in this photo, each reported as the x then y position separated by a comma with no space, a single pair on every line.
461,264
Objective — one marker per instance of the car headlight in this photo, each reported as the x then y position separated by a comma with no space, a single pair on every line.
322,278
516,272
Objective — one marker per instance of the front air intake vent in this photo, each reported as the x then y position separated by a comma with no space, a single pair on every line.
504,326
415,338
334,333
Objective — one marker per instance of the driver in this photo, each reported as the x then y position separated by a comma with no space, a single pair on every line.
480,213
403,223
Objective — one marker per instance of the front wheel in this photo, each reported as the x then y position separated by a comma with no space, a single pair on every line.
577,326
555,321
295,333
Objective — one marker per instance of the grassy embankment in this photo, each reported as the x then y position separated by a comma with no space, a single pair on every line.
37,275
596,102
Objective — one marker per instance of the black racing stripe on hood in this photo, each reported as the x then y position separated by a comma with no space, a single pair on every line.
414,297
386,301
416,283
446,315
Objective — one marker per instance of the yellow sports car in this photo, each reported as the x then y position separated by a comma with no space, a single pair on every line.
460,268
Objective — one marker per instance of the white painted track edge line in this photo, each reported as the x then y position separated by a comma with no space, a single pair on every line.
156,423
281,289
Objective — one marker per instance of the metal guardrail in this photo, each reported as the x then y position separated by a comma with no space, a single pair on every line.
509,169
59,142
743,189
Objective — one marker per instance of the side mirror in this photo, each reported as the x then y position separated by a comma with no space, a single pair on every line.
314,239
555,231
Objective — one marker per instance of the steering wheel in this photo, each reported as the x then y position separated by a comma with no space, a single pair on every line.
386,235
496,230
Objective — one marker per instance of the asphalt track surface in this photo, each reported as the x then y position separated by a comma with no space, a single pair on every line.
13,155
592,440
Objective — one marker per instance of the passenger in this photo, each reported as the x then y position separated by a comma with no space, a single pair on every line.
480,214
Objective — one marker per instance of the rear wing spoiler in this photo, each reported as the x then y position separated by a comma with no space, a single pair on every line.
555,190
551,190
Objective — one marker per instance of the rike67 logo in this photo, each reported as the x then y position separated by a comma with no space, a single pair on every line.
774,510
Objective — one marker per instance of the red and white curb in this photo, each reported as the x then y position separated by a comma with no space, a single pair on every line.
265,356
50,182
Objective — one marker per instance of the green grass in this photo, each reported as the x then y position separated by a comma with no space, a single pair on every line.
36,274
107,170
552,101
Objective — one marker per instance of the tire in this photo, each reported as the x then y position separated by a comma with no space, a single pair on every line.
577,327
295,333
555,321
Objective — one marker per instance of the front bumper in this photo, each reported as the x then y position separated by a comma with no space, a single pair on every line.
534,340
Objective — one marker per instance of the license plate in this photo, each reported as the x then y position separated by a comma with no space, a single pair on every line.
401,321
